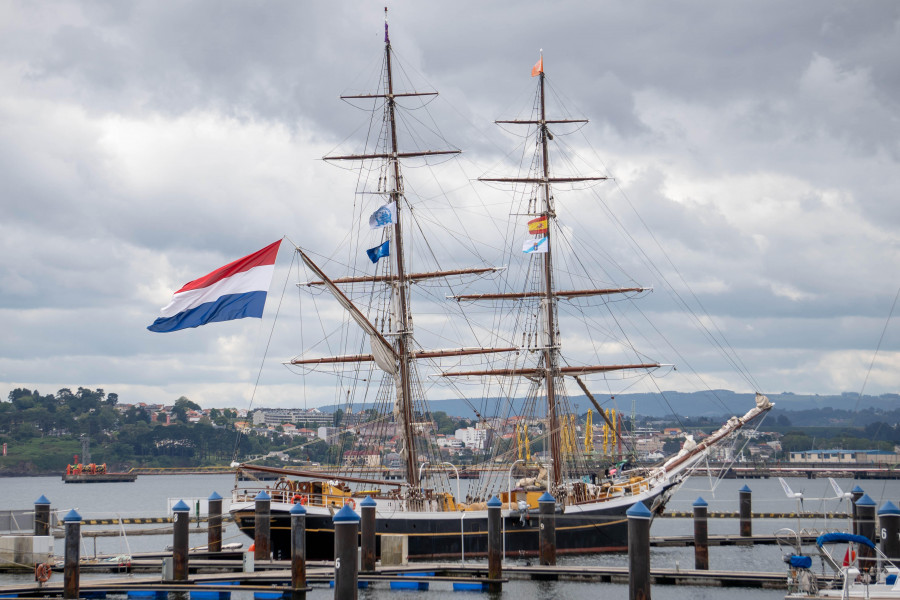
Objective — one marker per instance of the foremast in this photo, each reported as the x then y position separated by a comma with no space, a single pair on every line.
548,369
404,336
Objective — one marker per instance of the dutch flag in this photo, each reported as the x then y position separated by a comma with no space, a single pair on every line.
235,291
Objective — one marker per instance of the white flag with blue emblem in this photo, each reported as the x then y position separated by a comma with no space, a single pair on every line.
535,245
385,215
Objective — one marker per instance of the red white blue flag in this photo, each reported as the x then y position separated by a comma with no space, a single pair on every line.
235,291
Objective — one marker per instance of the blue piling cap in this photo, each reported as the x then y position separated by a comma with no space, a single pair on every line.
638,510
298,509
368,501
745,489
547,497
262,495
494,502
700,502
888,508
857,490
865,501
214,496
72,515
345,515
42,500
181,507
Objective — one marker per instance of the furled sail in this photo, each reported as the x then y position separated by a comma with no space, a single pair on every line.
384,355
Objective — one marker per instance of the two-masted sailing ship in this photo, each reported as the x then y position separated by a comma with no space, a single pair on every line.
391,372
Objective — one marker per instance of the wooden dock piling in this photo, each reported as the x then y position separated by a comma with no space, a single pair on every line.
855,494
214,524
346,575
72,560
495,546
262,540
367,534
298,552
42,516
547,528
889,523
746,510
181,524
639,552
701,535
865,526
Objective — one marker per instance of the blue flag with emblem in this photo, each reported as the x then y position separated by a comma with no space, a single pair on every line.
379,251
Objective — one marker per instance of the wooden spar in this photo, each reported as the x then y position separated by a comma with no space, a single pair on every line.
392,154
545,180
364,96
409,277
424,354
345,301
525,122
537,372
327,360
317,475
557,294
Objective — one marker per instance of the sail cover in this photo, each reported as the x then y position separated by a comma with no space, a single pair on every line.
836,538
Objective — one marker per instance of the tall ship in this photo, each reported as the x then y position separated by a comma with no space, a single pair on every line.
513,319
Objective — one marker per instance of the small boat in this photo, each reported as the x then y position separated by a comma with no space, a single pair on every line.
85,471
864,571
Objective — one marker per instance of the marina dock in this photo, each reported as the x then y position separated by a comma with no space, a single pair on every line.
275,576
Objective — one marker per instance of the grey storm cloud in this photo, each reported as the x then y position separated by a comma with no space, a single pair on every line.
754,147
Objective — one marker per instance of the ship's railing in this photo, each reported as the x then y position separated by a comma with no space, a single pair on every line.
335,501
294,497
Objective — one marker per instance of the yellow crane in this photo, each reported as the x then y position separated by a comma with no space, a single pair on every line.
589,433
609,434
522,441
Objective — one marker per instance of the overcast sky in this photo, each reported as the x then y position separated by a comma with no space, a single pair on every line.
143,144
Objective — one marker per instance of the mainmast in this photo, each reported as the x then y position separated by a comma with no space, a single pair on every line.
402,344
548,302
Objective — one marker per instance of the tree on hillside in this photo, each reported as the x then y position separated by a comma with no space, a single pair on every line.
182,405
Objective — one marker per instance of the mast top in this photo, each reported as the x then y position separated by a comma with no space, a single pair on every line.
387,40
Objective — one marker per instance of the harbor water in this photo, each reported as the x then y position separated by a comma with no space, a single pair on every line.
152,496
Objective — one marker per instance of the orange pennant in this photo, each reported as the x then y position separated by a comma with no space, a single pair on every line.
538,68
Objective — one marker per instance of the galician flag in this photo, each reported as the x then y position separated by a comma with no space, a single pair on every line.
535,246
235,291
385,215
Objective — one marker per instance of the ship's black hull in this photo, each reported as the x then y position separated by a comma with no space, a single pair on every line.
601,530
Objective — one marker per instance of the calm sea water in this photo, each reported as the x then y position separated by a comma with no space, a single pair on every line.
154,495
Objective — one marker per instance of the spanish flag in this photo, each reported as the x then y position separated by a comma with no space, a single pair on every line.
538,68
538,225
